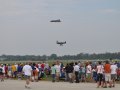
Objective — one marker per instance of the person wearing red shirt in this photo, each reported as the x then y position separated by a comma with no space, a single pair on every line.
107,72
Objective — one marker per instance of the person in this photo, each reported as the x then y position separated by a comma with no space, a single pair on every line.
14,69
71,72
1,73
9,71
107,72
113,73
76,70
100,70
88,72
94,74
66,72
6,70
53,71
40,70
27,69
19,71
43,66
83,70
57,66
118,74
36,71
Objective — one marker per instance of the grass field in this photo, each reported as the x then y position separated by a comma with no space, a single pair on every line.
49,61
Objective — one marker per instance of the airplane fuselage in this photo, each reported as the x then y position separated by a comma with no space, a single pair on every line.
56,20
61,43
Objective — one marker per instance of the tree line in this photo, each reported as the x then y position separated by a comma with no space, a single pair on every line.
80,56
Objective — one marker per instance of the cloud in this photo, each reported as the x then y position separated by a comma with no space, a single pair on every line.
108,11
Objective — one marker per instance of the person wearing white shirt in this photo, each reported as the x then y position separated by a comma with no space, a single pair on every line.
113,73
27,69
88,72
76,70
100,70
57,67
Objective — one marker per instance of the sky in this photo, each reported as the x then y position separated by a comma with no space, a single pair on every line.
88,26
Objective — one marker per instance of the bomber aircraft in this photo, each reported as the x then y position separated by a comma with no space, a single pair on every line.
58,20
60,43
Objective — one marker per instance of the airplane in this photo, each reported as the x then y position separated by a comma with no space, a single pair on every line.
58,20
61,43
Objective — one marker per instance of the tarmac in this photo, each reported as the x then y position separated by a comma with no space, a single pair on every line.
47,85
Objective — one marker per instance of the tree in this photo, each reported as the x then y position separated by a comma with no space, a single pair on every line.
53,57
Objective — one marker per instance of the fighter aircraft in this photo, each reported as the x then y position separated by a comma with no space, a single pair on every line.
58,20
61,43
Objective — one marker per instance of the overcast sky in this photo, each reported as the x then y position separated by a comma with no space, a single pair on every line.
88,26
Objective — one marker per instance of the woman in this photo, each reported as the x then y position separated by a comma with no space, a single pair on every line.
100,70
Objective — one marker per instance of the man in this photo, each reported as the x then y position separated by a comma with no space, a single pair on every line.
107,71
76,69
27,69
113,73
70,72
66,72
53,71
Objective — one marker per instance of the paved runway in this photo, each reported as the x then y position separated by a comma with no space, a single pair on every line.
46,85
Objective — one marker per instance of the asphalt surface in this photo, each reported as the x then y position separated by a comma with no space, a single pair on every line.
47,85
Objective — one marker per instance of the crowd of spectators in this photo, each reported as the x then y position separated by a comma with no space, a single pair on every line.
100,72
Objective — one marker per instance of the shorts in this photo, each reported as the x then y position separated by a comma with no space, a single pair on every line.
88,75
113,76
36,77
99,77
9,73
57,74
107,77
27,77
70,75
